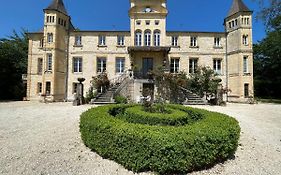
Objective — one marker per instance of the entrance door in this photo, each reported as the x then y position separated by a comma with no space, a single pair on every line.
147,65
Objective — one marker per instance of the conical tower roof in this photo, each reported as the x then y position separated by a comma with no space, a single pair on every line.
57,5
238,6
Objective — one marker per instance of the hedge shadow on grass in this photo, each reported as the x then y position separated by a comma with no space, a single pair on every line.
164,148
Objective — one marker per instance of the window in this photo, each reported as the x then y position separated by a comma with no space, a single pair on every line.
50,37
175,41
193,41
40,66
50,19
157,38
138,23
39,87
147,38
120,65
229,25
245,65
236,22
77,65
74,88
48,88
138,38
232,23
217,66
217,42
193,64
175,65
41,43
102,40
78,40
120,40
157,22
147,22
246,90
245,40
101,67
49,62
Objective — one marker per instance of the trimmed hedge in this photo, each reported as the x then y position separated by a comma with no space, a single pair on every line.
163,149
173,117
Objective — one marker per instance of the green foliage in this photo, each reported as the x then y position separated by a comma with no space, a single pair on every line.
203,82
169,85
174,116
101,81
13,63
119,99
90,95
163,149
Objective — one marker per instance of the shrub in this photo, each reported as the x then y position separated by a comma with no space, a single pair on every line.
172,117
163,149
119,99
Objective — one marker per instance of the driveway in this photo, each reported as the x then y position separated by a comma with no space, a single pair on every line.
38,138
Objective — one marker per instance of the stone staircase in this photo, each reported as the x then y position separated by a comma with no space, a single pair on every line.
107,97
192,98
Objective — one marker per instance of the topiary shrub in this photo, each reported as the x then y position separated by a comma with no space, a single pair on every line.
163,147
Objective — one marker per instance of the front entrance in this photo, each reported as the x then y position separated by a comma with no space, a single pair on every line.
147,65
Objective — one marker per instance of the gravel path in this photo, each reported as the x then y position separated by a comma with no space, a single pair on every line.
38,138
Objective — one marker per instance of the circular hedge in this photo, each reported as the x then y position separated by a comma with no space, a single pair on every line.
182,140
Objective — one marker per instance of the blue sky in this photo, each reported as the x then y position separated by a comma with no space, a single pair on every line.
184,15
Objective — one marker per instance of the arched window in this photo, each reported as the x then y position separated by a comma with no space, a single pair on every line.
147,38
156,38
138,38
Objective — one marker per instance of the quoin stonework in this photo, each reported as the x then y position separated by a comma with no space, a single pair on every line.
59,54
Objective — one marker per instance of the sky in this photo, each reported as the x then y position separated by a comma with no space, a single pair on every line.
184,15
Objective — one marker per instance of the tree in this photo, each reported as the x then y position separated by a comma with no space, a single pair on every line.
204,82
13,63
267,54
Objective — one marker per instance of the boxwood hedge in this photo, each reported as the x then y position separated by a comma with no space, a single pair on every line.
141,146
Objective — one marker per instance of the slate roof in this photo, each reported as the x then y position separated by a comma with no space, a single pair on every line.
57,5
238,6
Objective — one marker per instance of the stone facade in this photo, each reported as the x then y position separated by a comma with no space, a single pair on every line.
59,54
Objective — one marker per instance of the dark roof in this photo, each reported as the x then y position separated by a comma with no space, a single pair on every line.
238,6
57,5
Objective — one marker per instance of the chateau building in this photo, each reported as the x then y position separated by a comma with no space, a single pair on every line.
59,54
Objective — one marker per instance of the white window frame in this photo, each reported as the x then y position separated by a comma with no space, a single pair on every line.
49,62
175,65
119,65
217,42
138,38
78,40
175,40
245,40
147,38
193,41
120,40
77,65
102,40
157,39
101,61
193,65
217,66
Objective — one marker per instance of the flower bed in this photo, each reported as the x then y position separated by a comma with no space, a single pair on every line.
160,143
